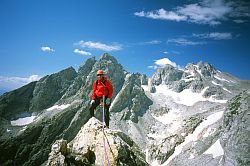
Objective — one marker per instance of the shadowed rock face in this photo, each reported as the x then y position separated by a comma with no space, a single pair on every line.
50,89
37,95
14,103
88,148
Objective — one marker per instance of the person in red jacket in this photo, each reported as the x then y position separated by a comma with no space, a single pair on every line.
101,87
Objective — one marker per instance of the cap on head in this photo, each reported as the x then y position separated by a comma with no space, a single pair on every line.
99,72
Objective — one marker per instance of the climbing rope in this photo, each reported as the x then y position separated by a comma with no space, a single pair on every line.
103,121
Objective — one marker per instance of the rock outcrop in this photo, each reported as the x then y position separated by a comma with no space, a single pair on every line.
236,125
132,98
95,146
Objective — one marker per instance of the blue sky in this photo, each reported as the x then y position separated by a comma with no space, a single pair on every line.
43,37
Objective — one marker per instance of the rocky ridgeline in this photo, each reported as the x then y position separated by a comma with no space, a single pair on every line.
87,148
196,77
82,85
133,113
37,95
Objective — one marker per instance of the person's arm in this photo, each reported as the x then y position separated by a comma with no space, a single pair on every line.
110,89
94,89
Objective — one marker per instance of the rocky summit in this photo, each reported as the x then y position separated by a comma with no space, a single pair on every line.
102,147
195,115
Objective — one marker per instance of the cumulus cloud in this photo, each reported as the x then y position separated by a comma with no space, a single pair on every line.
211,12
162,63
47,49
165,61
99,46
215,35
184,42
11,83
81,52
161,14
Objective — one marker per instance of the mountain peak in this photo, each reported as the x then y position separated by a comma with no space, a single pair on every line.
205,69
85,68
108,57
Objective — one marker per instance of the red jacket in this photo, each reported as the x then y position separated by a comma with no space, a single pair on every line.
103,88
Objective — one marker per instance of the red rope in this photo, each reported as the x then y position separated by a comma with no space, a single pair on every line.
103,111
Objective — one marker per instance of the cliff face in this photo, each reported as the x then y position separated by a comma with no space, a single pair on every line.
236,125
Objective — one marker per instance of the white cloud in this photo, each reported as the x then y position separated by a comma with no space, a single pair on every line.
164,61
184,42
211,12
162,15
215,35
140,14
153,67
239,21
78,51
33,78
11,83
150,42
99,46
165,52
47,49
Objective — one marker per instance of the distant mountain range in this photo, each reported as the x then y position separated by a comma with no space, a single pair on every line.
192,116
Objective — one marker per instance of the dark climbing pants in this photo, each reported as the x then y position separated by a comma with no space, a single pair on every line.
106,109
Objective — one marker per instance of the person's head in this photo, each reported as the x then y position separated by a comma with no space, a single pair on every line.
100,74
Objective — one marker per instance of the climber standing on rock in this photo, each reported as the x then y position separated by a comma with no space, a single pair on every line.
101,87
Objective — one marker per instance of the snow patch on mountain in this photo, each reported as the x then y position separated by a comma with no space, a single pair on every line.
213,82
50,112
194,136
58,107
23,121
185,97
212,99
171,119
227,90
221,79
216,149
